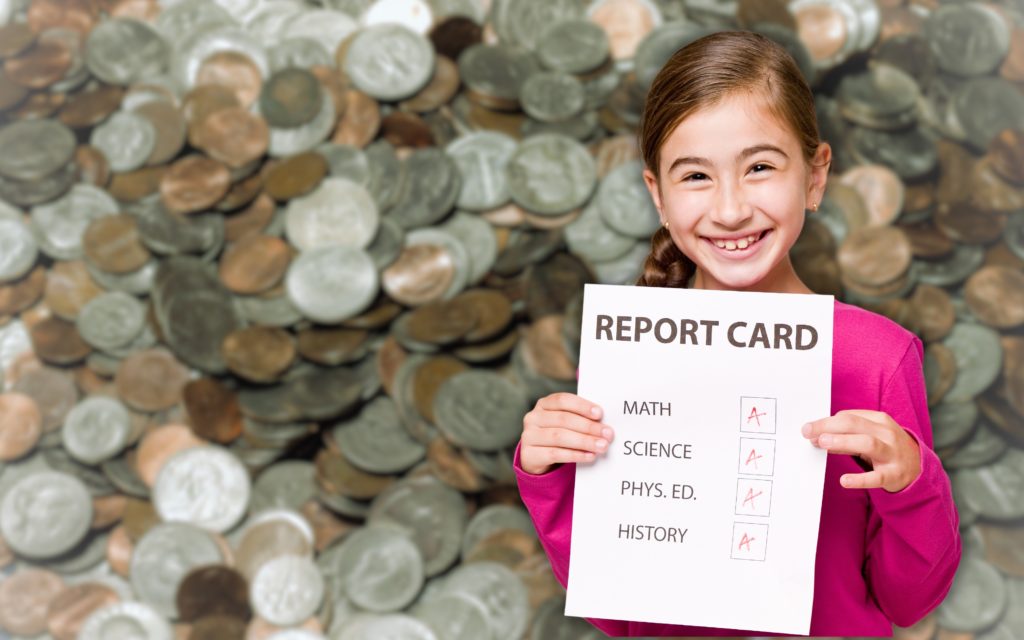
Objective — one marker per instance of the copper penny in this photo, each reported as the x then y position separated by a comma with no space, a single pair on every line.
119,551
334,83
404,129
452,468
996,296
956,165
170,127
390,357
21,425
1007,155
70,608
627,23
257,353
927,241
1001,255
144,10
159,445
213,590
337,475
550,222
509,215
139,517
217,628
194,183
949,634
77,15
875,256
378,316
40,66
112,243
12,94
965,223
421,274
253,219
107,510
15,37
453,35
232,135
151,379
1012,68
991,191
332,346
90,107
205,99
57,340
93,167
327,527
51,388
544,349
212,410
130,186
881,189
442,321
25,599
255,264
1013,371
428,378
6,556
361,121
933,311
439,91
232,70
295,176
822,29
242,193
489,351
21,294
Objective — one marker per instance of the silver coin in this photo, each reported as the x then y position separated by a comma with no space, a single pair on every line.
389,61
984,447
482,157
495,517
967,39
330,284
979,356
328,27
192,48
551,623
387,244
18,249
624,202
977,598
287,590
480,409
626,268
337,212
60,224
995,490
111,320
573,46
500,591
454,616
590,238
288,484
96,429
392,625
986,106
966,259
346,161
205,486
552,96
478,238
45,513
35,148
375,440
953,422
381,568
124,50
293,140
428,189
551,174
123,620
496,71
522,23
164,556
301,52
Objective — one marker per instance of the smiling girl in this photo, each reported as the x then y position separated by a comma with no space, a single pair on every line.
733,162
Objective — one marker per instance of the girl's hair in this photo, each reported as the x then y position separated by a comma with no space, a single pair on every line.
700,75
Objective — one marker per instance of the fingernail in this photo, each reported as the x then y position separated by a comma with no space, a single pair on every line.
806,429
595,411
607,432
601,444
825,440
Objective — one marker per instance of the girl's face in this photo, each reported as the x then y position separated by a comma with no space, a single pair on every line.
733,187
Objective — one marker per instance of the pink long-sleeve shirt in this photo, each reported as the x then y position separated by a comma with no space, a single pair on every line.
883,557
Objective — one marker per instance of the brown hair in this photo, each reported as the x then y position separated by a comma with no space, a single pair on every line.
699,75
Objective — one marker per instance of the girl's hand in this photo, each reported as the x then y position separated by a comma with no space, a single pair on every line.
561,427
889,454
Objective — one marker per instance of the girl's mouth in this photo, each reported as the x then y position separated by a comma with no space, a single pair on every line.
738,247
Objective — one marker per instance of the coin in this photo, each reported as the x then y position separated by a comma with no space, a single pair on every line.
24,599
21,425
996,296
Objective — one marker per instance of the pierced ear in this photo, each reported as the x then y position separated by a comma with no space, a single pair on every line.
651,181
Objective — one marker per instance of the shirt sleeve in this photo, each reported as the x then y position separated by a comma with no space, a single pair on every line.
548,498
913,538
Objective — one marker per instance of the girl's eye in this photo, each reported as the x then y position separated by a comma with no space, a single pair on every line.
761,164
693,177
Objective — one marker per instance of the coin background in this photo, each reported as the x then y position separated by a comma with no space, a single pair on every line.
181,161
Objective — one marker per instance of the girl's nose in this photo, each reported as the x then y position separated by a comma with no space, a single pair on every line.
731,209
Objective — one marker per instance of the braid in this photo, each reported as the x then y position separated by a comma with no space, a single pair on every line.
666,265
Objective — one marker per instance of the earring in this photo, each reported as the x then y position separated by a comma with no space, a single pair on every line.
814,207
665,224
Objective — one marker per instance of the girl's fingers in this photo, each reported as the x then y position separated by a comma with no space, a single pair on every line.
564,439
572,421
868,480
555,455
565,401
849,443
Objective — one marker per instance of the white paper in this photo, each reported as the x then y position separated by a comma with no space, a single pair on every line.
731,460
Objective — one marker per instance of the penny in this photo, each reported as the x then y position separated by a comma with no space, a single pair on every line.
170,127
336,473
360,123
72,606
439,91
21,294
218,627
404,129
213,410
881,189
56,340
295,176
25,598
159,445
93,167
860,255
331,346
253,219
90,107
421,274
69,287
11,94
150,379
137,184
996,296
233,70
112,244
232,135
258,354
21,425
243,192
213,591
15,38
543,346
194,183
452,467
254,264
822,28
626,22
204,100
933,311
43,64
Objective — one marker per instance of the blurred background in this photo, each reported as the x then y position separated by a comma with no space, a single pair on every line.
279,279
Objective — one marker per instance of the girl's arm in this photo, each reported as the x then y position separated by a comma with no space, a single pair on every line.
913,538
548,498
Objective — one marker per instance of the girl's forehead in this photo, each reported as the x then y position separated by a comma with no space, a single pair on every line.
733,120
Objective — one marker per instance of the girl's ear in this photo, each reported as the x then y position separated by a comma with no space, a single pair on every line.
819,173
652,186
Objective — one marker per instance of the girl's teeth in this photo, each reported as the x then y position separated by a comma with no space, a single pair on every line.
732,245
742,244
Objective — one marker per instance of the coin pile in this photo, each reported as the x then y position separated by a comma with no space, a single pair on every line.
278,282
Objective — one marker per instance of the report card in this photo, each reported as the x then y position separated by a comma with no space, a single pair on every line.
705,509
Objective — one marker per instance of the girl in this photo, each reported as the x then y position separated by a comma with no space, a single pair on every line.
733,160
